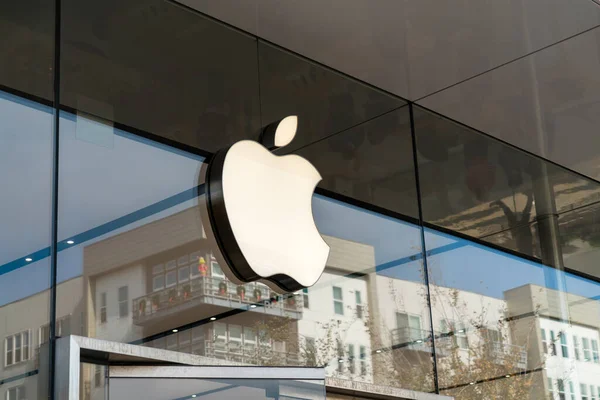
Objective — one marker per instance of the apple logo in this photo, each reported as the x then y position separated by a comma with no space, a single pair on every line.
260,211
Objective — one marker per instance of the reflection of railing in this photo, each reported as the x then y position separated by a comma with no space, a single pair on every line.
217,288
417,340
260,354
502,353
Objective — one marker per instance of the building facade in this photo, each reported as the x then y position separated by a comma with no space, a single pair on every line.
460,163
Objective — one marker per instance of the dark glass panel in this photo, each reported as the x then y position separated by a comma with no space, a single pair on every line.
159,68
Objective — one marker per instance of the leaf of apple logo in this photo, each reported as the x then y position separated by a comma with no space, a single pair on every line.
260,211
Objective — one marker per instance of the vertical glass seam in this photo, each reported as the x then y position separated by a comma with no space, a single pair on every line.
54,212
423,248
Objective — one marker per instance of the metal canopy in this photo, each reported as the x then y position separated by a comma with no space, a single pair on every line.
127,360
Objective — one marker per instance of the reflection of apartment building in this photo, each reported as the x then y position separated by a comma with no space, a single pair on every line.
466,326
162,276
22,338
565,339
136,290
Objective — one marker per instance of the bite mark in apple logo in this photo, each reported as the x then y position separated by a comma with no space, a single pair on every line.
260,211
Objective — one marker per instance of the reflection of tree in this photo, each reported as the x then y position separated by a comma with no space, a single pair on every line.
519,226
490,356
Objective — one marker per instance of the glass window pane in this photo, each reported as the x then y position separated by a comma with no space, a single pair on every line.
26,169
521,286
126,221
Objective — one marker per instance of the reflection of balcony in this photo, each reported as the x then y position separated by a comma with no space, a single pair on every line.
417,340
215,291
249,354
508,354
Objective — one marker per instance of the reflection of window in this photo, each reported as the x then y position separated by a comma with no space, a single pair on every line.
340,355
195,264
249,339
563,344
171,278
98,375
183,260
44,334
359,306
595,352
63,328
216,269
586,349
583,390
235,338
16,348
123,301
185,341
16,393
102,307
552,345
410,326
363,360
459,333
158,282
351,358
544,341
184,274
338,300
493,335
305,298
197,334
310,351
551,388
174,271
576,347
220,336
560,384
310,345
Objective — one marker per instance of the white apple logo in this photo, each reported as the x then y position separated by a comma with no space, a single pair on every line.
260,210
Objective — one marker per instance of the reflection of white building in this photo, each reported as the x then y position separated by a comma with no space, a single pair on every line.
162,276
566,339
336,317
136,290
461,319
22,337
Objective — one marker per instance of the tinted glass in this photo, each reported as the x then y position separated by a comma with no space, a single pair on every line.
112,235
508,313
26,149
161,69
325,101
213,389
130,206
